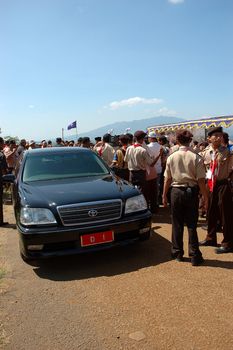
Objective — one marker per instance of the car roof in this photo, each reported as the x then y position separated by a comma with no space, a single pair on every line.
54,150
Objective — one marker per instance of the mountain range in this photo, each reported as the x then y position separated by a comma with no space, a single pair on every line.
118,128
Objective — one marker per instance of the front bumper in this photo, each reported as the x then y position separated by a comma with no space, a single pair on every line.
62,240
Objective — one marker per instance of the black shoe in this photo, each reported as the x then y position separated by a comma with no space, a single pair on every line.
208,243
222,250
4,223
196,260
177,257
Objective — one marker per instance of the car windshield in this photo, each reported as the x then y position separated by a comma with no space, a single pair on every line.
62,166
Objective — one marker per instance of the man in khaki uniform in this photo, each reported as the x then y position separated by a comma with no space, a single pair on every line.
105,150
138,158
219,166
185,173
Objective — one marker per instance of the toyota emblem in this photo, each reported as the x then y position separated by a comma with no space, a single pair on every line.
93,213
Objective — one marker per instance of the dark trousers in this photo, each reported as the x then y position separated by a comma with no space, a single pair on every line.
184,209
138,178
151,194
221,210
122,173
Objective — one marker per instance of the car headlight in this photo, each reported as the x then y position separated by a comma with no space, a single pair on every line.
136,203
36,216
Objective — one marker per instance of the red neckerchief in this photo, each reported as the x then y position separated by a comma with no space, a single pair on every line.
214,171
100,151
137,145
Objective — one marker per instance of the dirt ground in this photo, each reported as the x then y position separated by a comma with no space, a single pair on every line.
132,297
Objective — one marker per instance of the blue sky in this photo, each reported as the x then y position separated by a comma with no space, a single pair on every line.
101,61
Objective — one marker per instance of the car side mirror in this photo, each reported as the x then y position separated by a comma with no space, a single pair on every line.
8,178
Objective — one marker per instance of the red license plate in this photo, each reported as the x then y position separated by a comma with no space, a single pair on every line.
97,238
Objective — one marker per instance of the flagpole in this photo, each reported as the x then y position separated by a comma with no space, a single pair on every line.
62,134
76,132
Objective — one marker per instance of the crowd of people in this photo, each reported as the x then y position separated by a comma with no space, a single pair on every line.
187,174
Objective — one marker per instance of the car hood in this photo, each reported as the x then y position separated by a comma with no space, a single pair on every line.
71,191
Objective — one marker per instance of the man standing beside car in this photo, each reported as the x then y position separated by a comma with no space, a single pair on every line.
3,170
185,173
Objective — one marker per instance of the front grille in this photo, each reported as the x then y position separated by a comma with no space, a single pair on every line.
90,213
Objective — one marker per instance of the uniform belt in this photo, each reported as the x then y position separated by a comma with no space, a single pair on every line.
184,187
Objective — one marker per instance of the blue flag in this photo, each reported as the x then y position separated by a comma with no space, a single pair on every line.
72,125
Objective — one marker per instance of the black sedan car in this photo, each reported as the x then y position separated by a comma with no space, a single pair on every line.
67,201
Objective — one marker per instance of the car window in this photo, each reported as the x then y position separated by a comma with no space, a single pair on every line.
61,166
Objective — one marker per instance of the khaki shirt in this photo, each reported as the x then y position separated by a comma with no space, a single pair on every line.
107,152
224,158
138,158
184,167
173,149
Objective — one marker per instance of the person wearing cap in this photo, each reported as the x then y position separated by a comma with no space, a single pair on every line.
219,168
185,173
138,158
32,144
97,139
86,142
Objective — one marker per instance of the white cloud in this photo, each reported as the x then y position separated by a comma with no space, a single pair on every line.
175,2
164,111
133,101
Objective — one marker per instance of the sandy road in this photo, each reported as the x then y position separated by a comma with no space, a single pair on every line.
131,297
